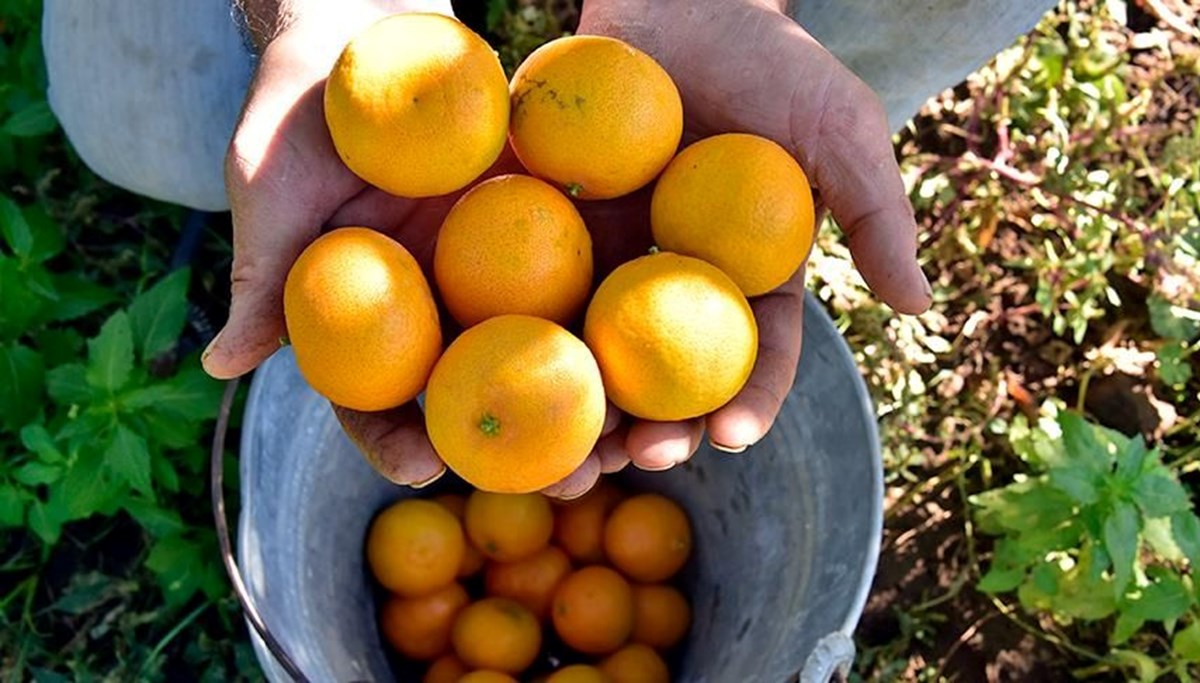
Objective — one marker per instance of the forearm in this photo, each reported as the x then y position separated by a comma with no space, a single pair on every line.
264,20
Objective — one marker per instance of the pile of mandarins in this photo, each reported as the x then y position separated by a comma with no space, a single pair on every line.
490,586
419,106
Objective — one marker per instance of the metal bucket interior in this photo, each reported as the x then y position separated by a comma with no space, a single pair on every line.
786,534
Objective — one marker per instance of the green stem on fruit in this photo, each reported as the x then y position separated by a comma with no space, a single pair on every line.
574,189
654,250
489,425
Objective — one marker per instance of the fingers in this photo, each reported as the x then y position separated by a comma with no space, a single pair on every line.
611,450
746,419
284,180
394,443
578,482
657,446
607,457
838,129
804,98
861,186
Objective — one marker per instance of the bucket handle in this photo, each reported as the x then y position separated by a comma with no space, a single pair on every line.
217,478
830,660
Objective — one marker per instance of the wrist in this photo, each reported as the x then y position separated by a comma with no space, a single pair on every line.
325,26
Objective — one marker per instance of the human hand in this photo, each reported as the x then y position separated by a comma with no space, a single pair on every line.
286,183
744,66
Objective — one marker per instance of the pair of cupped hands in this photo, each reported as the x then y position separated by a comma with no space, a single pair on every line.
740,66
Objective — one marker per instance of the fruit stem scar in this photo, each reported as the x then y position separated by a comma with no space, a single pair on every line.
574,189
489,425
654,249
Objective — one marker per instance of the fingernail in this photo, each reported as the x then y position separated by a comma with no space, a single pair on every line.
573,496
728,449
211,345
661,468
427,482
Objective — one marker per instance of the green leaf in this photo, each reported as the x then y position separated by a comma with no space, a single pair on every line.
78,296
1142,664
1030,504
41,675
87,592
38,440
1127,625
178,563
32,120
190,395
1079,594
1000,579
59,346
1082,445
1172,322
1186,643
44,521
155,520
1159,494
36,473
129,458
1131,459
20,306
48,238
12,506
1173,366
15,229
1166,598
1185,528
110,354
169,431
22,376
1077,482
68,385
1121,530
1156,533
158,314
165,474
86,488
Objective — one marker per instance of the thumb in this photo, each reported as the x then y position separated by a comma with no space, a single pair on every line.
841,131
284,180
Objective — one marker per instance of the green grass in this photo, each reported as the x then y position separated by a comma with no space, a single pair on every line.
1040,423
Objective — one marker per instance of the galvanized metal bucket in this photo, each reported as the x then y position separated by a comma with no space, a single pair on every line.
786,534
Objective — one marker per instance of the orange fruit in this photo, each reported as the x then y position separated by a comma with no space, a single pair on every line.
397,91
513,244
497,634
648,537
445,669
509,527
594,116
414,547
579,523
487,677
419,628
593,610
674,337
635,663
530,581
578,673
472,560
361,319
661,615
740,202
514,404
